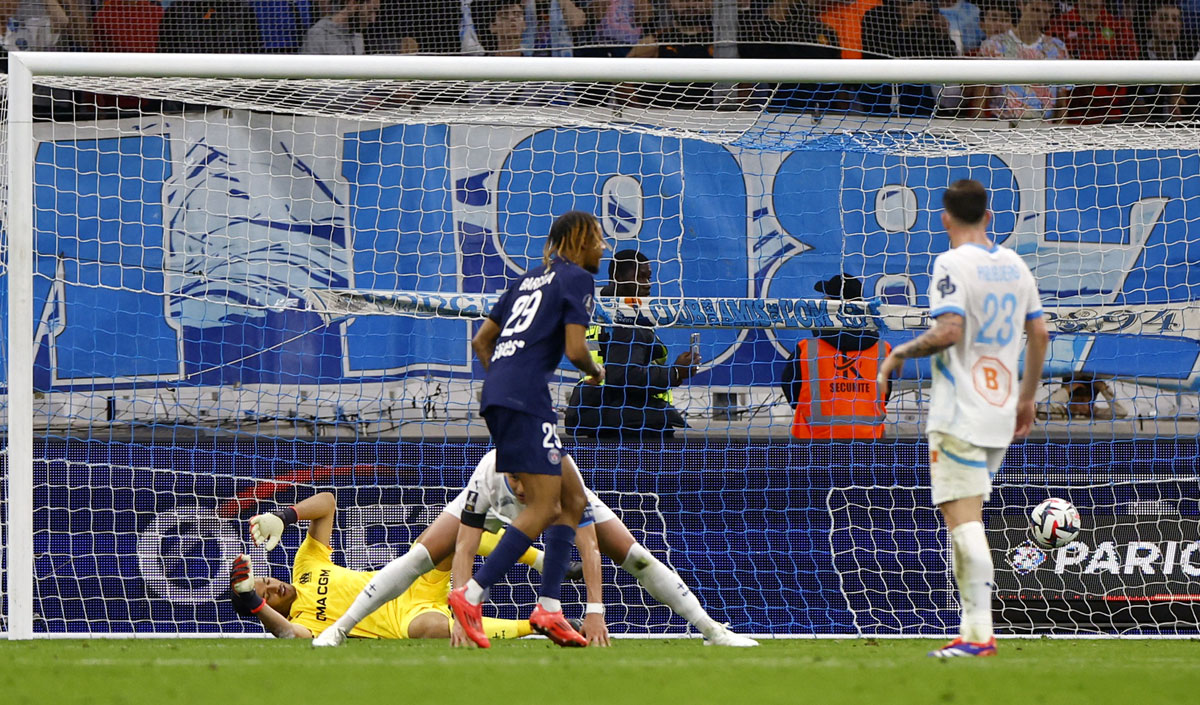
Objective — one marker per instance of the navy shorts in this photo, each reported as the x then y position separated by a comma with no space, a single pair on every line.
524,443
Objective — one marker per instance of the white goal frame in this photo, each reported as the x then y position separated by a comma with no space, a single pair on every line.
24,67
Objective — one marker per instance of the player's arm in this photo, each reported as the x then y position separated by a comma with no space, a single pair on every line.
1035,358
247,602
947,330
484,342
319,510
580,356
594,628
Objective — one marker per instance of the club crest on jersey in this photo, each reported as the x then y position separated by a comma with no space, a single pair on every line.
305,578
946,287
554,456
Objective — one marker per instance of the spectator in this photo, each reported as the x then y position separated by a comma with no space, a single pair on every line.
903,29
845,18
790,29
209,27
45,25
963,23
549,25
425,26
127,25
1025,41
1079,397
1164,28
635,400
342,32
616,28
1091,32
283,23
994,19
844,402
503,26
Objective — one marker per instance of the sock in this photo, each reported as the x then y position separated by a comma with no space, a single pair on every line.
508,549
559,539
387,585
667,587
974,574
506,628
532,557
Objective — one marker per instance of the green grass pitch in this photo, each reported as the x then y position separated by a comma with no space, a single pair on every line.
533,672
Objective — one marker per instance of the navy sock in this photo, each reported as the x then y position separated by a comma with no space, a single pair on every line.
512,544
559,539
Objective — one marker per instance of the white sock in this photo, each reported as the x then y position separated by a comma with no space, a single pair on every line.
539,561
550,604
387,585
975,576
667,587
474,592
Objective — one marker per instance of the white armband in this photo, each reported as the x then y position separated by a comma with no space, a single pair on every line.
594,608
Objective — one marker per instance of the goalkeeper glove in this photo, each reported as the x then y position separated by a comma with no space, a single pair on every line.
267,529
241,583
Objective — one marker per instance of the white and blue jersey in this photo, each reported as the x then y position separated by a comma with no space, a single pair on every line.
975,382
532,316
488,502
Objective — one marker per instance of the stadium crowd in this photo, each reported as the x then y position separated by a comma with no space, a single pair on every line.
807,29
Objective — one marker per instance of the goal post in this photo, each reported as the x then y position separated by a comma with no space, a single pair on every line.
258,282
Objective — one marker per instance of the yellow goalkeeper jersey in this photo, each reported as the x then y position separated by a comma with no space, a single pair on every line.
325,590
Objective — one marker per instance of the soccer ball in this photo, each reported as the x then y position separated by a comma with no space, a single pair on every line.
1054,523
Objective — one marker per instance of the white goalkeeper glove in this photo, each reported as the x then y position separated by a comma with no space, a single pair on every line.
267,529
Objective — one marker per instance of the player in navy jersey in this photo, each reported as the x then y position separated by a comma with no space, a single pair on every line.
546,312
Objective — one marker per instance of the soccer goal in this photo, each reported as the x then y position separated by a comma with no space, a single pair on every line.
234,281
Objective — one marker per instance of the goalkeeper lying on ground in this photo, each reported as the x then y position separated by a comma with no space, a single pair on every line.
488,502
321,590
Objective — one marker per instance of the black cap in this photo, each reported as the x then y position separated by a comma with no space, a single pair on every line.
841,286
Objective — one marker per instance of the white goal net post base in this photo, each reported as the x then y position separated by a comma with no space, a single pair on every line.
484,93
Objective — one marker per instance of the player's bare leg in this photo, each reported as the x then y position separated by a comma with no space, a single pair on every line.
434,545
974,573
662,583
547,618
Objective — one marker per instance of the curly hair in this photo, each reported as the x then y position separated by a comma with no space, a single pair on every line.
569,235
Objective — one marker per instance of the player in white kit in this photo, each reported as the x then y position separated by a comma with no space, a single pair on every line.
981,297
489,502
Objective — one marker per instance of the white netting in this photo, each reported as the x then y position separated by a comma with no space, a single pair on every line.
270,276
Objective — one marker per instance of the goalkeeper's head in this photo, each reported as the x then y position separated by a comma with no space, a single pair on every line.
278,594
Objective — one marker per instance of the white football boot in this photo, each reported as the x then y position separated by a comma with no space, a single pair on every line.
721,636
333,636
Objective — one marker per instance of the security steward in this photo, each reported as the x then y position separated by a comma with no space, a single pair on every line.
831,380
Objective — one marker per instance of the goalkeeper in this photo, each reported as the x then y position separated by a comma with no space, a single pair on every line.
321,590
491,500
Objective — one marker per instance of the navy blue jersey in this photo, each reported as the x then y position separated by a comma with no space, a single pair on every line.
533,315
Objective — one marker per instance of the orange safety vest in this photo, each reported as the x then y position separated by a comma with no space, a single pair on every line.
838,394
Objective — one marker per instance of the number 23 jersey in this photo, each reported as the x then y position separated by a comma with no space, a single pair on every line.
976,381
533,315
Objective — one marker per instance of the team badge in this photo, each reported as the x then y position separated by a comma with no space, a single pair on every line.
305,578
554,456
1025,558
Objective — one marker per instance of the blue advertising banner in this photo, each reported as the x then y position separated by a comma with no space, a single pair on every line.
772,537
199,239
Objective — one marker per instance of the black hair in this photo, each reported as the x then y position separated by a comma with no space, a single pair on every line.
966,201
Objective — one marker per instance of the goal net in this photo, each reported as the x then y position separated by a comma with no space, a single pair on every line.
236,283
